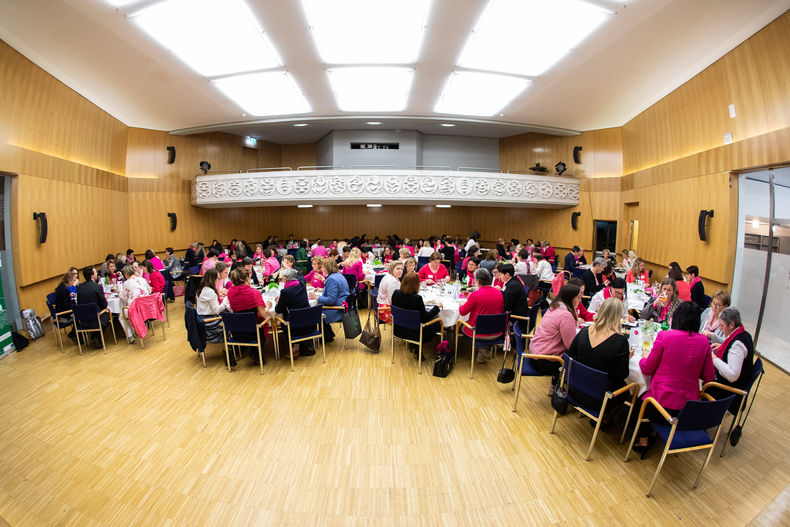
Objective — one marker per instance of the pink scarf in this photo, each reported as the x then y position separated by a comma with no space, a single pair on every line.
726,344
712,324
694,281
606,293
291,283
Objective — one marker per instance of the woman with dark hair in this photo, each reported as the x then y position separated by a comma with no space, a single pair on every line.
408,297
661,308
696,287
294,296
155,278
679,359
211,261
208,304
302,257
556,331
244,298
155,261
684,291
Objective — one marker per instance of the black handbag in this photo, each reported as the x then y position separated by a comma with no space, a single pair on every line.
507,375
559,399
371,335
445,360
351,325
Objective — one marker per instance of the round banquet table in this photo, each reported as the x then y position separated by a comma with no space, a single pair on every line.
448,313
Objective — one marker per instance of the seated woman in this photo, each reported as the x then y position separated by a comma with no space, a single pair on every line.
696,287
258,256
556,331
302,259
294,296
211,261
434,272
582,315
679,359
316,277
65,299
335,294
155,261
404,254
223,284
172,265
607,255
733,358
387,255
408,297
603,347
388,285
469,277
608,273
489,262
496,274
270,265
682,287
426,250
485,300
242,297
409,265
353,265
627,262
662,307
543,269
209,305
638,272
134,286
471,254
155,278
709,325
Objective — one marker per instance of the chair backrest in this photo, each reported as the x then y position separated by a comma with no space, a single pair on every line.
352,281
486,324
292,252
166,275
377,280
85,312
533,315
308,316
406,318
422,260
51,306
239,322
757,370
195,269
518,335
591,382
701,415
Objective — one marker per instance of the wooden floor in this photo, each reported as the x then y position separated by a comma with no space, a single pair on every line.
150,437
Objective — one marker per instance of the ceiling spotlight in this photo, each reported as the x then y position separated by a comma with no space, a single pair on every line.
300,124
373,123
374,205
304,206
448,125
205,166
439,206
560,168
755,224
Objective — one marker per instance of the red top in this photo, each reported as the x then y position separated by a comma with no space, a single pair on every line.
157,282
320,251
485,301
244,298
583,314
684,290
427,274
677,361
644,276
549,254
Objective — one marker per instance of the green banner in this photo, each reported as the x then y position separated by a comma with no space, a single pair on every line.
6,342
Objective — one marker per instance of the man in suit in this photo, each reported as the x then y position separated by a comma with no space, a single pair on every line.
90,292
571,259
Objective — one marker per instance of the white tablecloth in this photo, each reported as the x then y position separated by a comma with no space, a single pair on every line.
636,297
449,310
114,303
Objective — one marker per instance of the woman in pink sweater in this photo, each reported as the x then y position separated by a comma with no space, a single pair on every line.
556,331
679,359
486,300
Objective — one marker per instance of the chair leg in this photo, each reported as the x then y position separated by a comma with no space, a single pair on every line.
227,356
323,345
290,347
630,411
553,422
705,464
597,428
203,357
101,333
472,369
79,344
142,344
517,384
59,337
392,344
112,327
164,336
661,465
633,440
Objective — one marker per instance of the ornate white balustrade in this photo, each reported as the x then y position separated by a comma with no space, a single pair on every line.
401,187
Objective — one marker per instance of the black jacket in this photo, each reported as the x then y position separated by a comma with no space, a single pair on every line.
294,297
414,302
570,262
590,287
91,293
62,299
698,295
515,298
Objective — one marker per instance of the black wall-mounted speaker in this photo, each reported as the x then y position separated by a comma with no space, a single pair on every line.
575,220
42,224
577,155
703,217
173,220
171,155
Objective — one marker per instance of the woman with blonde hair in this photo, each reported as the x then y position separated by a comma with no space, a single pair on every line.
389,284
603,347
409,265
638,272
353,265
404,254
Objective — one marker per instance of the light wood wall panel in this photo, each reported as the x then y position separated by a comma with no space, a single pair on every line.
294,156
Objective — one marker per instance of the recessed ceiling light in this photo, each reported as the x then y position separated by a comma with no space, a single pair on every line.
304,206
268,93
371,89
374,205
448,125
366,31
755,224
120,3
461,93
443,206
300,124
373,123
236,42
500,42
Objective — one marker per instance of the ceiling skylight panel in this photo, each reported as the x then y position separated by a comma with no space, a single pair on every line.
479,94
264,94
371,89
367,31
213,37
527,37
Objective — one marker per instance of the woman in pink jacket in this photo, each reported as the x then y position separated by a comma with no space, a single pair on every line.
556,331
679,359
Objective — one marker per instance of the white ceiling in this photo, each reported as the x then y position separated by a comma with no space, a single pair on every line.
649,48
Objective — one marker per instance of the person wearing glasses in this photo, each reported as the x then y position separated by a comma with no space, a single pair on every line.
616,289
710,317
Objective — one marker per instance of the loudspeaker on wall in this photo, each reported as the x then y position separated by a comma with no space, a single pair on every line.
42,224
575,220
703,217
173,220
171,155
577,155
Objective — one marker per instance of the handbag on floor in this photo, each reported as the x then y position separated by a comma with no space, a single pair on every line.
507,375
444,361
559,398
371,335
351,325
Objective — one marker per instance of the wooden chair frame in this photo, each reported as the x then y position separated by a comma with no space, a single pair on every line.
341,308
257,344
474,338
203,353
419,344
58,327
100,330
292,341
744,394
